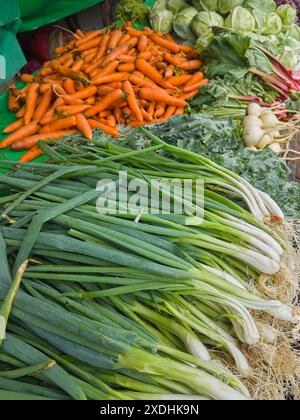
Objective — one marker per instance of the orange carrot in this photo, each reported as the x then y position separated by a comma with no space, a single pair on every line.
190,95
145,55
159,110
86,93
179,80
104,114
139,81
26,78
145,115
43,106
115,85
132,101
169,45
103,47
105,128
31,141
69,86
111,119
13,104
88,38
150,71
71,100
45,87
106,102
46,71
48,117
124,39
108,69
122,49
142,43
63,124
123,58
195,86
84,126
104,90
32,154
25,131
69,110
191,65
137,33
175,60
151,108
159,95
32,97
196,77
179,111
77,66
168,73
169,112
16,125
115,37
46,128
114,77
21,112
90,44
127,67
91,100
90,69
69,63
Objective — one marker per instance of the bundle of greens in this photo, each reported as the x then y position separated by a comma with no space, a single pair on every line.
131,305
131,11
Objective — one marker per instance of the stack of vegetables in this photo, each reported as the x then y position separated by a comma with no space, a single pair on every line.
132,305
102,79
261,20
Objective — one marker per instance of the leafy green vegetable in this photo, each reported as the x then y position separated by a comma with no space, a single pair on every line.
225,6
209,5
203,42
161,18
288,15
265,6
131,10
183,21
176,5
240,20
204,21
272,24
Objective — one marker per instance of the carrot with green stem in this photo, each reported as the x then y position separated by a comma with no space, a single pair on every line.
105,103
132,100
25,131
84,127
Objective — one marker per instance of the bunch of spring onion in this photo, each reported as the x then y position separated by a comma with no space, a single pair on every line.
263,129
150,300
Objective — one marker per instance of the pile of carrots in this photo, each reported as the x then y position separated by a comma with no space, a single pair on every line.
102,79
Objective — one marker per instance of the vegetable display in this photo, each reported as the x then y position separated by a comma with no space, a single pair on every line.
102,79
115,308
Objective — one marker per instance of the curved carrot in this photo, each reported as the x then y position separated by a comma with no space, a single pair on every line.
21,112
132,101
105,128
32,97
146,115
169,112
159,95
106,102
13,104
160,110
31,141
127,67
43,105
84,126
16,125
25,131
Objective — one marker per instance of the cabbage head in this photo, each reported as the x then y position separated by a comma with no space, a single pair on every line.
264,6
288,58
208,5
204,21
293,32
182,22
240,20
176,5
225,6
162,21
287,14
272,24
